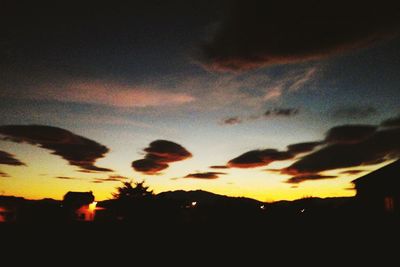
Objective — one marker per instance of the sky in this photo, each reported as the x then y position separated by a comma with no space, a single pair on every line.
272,101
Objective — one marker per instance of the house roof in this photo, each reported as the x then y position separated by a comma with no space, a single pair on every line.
384,174
80,198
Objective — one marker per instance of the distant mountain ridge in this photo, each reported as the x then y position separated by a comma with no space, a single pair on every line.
203,196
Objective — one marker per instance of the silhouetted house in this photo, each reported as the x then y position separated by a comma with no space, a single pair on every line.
9,207
80,206
379,191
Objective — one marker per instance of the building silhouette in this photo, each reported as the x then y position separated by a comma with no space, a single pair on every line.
379,191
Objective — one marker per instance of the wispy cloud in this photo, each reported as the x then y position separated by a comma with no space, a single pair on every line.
205,175
353,112
65,178
247,89
4,175
110,178
270,113
113,94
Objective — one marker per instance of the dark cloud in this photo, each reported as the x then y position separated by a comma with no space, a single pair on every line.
205,175
116,176
158,155
232,121
110,178
270,113
9,159
284,112
345,146
148,166
392,122
3,174
77,150
353,112
352,172
350,133
257,33
65,178
263,157
302,178
167,151
376,148
303,147
219,167
258,158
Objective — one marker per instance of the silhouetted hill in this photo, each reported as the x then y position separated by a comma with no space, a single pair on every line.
204,197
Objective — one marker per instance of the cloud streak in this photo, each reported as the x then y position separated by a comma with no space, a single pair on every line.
79,151
65,178
353,112
9,159
110,178
268,114
302,178
219,167
4,175
205,175
113,94
158,156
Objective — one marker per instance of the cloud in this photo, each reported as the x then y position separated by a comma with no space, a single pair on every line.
65,178
367,150
281,112
219,167
258,158
263,157
350,133
110,178
258,33
148,166
392,122
345,146
302,178
166,151
205,175
270,113
232,121
113,94
77,150
158,154
352,172
353,112
9,159
4,175
303,147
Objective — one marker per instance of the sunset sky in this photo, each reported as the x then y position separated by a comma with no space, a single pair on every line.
243,98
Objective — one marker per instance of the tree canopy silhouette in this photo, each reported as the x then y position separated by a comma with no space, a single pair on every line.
131,191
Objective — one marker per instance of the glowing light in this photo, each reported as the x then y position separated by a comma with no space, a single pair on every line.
194,203
262,207
2,214
92,206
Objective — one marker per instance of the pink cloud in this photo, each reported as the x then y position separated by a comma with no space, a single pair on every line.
114,94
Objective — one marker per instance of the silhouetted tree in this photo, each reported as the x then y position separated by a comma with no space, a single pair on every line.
136,191
134,201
